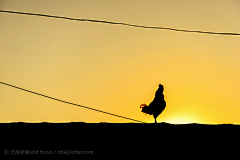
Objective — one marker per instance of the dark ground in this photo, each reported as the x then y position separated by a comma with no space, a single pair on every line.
121,139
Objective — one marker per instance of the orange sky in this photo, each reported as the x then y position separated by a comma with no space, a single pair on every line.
117,68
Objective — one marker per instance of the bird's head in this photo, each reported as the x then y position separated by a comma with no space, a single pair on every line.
161,87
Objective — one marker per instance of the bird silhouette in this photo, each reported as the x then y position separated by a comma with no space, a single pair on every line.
158,104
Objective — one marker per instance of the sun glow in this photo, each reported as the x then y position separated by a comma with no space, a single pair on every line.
181,120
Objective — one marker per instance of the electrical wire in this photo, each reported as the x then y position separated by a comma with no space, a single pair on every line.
71,103
120,23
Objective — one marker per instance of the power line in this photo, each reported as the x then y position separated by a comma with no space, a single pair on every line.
70,102
120,23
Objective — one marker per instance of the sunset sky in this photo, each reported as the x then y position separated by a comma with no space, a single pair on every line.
117,68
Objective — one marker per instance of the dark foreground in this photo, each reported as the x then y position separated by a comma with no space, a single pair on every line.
119,139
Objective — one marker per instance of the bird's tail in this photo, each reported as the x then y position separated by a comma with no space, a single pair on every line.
145,109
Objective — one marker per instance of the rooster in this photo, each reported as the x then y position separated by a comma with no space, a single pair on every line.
158,104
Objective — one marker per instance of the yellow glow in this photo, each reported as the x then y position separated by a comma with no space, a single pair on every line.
116,68
181,120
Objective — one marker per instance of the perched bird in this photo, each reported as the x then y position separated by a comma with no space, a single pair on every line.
158,104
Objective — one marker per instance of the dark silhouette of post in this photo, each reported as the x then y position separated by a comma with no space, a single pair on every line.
158,104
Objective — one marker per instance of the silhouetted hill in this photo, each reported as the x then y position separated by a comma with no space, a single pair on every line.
119,138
